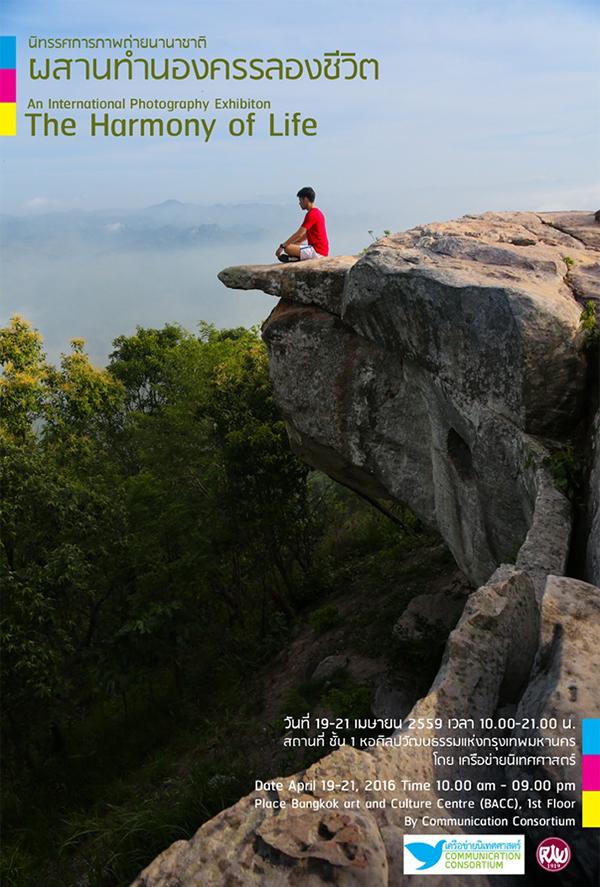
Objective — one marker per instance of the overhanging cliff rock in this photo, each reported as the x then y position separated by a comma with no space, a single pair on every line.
440,369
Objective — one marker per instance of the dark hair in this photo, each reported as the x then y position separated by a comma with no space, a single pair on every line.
307,192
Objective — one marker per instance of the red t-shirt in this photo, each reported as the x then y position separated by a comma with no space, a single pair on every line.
316,234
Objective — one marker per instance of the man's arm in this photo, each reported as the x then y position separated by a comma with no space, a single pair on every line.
297,237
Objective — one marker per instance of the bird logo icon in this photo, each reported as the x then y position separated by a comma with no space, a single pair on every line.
426,853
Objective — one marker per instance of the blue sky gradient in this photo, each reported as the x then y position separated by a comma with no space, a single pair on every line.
480,105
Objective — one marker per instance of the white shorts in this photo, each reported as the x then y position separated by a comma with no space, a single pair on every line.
309,252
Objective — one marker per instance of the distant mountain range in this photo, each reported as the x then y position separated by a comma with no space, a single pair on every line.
171,224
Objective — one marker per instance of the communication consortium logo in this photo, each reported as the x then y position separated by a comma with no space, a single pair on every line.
426,853
464,854
553,854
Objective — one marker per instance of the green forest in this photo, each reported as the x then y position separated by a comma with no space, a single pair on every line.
160,547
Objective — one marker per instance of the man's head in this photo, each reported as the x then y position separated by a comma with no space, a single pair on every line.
306,197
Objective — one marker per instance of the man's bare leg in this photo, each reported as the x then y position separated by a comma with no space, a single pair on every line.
293,249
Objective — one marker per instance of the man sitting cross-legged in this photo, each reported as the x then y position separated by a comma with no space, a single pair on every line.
310,240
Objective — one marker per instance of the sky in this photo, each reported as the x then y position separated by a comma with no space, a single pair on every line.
479,106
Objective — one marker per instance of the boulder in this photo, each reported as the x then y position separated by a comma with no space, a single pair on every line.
495,321
429,618
330,666
393,696
564,686
444,374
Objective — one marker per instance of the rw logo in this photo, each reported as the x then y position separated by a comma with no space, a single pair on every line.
553,854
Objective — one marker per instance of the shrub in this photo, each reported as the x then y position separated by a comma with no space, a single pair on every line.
589,323
324,618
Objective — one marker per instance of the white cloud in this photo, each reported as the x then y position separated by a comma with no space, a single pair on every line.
51,204
40,203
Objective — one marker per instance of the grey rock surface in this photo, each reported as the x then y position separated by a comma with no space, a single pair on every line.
564,685
451,363
546,546
315,282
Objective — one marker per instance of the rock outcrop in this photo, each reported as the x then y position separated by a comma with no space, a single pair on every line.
445,369
438,368
564,686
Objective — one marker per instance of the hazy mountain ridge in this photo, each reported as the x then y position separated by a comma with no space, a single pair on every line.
164,225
